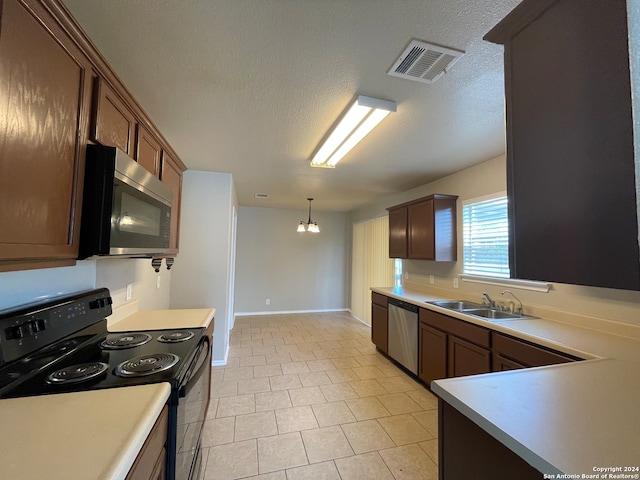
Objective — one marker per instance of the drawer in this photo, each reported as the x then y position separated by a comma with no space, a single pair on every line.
459,328
379,299
527,354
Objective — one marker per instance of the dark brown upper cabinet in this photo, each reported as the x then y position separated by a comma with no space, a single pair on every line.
46,93
570,154
148,151
424,229
114,124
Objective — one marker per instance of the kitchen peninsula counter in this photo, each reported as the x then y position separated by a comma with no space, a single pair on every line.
94,435
569,418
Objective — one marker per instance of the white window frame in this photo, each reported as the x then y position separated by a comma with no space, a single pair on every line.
497,280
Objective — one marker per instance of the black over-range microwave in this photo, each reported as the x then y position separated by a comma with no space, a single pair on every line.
126,210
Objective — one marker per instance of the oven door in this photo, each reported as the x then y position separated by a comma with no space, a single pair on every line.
193,403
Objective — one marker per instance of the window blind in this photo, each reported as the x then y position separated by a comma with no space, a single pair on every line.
370,264
485,227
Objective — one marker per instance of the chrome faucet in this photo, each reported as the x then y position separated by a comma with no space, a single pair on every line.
519,311
492,303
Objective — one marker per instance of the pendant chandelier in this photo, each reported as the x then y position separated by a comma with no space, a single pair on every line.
309,225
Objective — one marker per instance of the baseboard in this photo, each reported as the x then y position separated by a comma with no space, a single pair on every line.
284,312
223,362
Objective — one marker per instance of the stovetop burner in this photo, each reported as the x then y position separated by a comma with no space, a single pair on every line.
128,340
77,373
176,336
147,365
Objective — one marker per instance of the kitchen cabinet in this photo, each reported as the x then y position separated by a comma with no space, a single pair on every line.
171,175
46,93
570,151
379,321
114,124
148,151
424,229
398,232
466,451
450,347
150,464
510,353
59,94
432,351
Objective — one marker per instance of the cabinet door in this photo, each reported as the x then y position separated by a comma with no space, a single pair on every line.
113,123
172,177
465,358
44,80
421,234
433,354
501,364
398,233
148,151
379,327
570,147
526,354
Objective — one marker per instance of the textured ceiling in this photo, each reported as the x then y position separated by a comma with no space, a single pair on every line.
250,87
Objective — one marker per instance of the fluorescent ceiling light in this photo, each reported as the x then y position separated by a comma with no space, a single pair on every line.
361,117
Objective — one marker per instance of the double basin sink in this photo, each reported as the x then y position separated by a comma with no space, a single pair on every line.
479,310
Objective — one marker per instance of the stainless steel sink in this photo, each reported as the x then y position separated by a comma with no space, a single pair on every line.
491,314
479,310
458,305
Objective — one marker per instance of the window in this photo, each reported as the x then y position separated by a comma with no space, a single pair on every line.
485,236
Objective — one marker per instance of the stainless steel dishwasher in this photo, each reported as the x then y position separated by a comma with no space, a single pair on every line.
403,334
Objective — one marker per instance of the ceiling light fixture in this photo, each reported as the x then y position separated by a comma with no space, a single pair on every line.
360,118
309,225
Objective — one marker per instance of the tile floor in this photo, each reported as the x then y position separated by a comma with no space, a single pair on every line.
306,396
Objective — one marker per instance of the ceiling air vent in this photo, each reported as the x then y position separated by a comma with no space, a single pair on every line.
424,62
262,196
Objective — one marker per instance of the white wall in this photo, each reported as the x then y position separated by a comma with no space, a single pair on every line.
17,288
486,178
295,271
201,276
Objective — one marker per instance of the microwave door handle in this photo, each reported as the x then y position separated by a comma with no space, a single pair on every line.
192,378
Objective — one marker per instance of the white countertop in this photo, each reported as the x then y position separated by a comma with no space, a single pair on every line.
580,342
565,418
163,320
94,435
560,419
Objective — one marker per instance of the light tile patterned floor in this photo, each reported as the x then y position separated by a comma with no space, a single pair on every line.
306,396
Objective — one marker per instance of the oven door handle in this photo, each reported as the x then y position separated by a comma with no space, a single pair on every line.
199,362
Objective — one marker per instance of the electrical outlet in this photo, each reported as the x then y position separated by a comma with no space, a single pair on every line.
406,275
129,291
455,282
268,301
432,279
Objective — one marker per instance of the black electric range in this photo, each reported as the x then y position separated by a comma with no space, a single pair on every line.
62,345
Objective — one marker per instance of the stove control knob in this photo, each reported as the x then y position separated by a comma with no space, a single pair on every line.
37,325
15,333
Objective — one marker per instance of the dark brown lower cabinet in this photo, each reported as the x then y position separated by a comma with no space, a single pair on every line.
501,364
379,327
465,358
150,463
510,353
450,347
432,364
468,452
380,321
